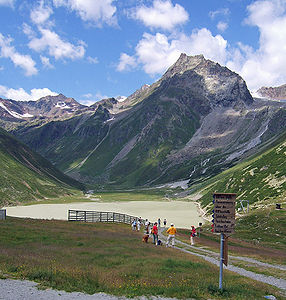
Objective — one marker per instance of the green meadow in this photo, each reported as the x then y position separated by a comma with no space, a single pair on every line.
111,258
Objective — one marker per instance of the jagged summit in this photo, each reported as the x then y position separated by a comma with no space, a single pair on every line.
183,64
273,93
217,84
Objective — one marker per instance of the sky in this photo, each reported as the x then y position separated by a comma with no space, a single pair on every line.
95,49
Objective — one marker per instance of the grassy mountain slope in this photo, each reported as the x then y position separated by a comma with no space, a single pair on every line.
145,136
26,176
66,142
259,178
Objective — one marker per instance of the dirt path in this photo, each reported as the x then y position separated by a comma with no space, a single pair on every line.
239,247
213,258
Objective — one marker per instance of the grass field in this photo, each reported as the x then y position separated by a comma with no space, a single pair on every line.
152,195
260,234
111,258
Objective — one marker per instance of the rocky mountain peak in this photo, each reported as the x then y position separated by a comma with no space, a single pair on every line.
209,79
183,64
60,98
273,93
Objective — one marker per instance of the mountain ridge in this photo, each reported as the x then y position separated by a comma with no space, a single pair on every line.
194,122
26,176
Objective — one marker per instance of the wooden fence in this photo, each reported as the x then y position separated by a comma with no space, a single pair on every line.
2,214
99,216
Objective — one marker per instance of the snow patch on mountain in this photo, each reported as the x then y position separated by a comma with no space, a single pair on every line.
15,114
62,105
121,98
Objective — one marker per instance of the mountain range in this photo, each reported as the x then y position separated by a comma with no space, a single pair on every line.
196,121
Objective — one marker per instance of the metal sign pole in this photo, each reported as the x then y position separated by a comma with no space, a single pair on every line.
221,260
223,223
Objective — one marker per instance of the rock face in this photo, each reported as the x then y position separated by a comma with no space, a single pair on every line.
273,93
197,120
218,84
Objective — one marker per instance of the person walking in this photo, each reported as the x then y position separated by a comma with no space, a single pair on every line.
171,237
193,234
159,222
165,222
133,224
138,225
155,233
146,224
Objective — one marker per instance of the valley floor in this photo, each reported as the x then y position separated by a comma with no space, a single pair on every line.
182,213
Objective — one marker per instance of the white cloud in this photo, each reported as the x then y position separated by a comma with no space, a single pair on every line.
267,64
41,14
23,61
46,62
96,12
49,41
27,29
55,46
222,26
126,62
90,99
163,14
92,60
7,2
219,12
21,95
158,52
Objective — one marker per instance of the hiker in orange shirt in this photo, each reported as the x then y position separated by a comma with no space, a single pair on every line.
172,232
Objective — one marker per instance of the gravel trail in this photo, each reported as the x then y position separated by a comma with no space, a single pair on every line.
27,290
212,257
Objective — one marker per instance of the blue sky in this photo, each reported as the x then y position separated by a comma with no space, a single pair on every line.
93,49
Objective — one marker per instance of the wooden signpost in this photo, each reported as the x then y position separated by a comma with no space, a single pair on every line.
223,223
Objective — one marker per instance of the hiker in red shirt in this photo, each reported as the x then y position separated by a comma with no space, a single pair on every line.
193,234
155,233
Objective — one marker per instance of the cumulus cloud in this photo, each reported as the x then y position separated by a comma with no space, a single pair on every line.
92,60
7,2
51,42
23,61
46,62
221,26
126,62
41,14
219,12
163,14
157,52
21,95
96,12
265,65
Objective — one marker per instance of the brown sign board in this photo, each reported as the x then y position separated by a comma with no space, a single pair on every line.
224,213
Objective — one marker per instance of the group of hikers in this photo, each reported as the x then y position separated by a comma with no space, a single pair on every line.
154,231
